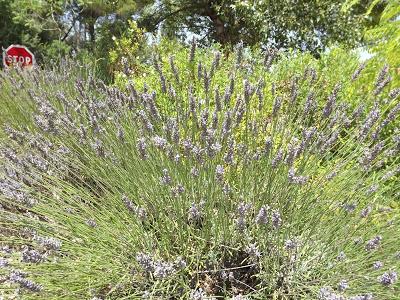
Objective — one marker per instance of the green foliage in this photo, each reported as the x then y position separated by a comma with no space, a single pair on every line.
274,23
334,66
56,50
9,30
37,21
52,29
96,8
385,37
15,95
124,55
117,41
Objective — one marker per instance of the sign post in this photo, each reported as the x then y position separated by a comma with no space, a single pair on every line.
17,55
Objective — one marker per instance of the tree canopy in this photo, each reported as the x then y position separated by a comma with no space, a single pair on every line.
57,27
306,25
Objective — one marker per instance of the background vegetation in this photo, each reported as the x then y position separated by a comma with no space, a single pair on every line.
90,29
201,150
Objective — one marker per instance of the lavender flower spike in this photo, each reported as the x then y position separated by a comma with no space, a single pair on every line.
331,101
192,50
219,173
357,72
297,179
49,242
142,146
145,261
262,217
388,278
276,219
166,178
373,243
195,212
32,256
25,283
277,105
343,285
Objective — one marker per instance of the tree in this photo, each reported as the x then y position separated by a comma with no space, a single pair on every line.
90,12
30,22
36,24
301,24
384,39
9,30
40,22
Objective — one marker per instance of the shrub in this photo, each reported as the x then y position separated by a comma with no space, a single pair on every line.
15,93
245,193
337,65
169,74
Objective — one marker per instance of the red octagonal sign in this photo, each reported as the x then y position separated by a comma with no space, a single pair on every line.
17,55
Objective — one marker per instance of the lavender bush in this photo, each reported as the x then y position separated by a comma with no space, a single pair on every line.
200,188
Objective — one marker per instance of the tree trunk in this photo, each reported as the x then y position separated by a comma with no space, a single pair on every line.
218,23
92,34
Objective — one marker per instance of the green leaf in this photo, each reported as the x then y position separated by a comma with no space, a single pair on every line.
349,4
373,4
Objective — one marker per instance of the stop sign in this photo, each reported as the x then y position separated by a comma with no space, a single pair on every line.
17,55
